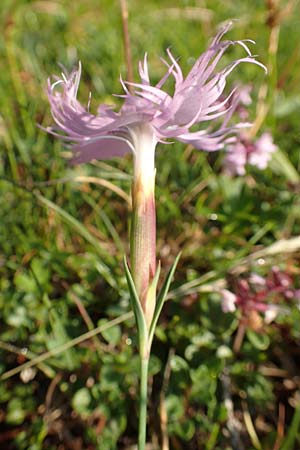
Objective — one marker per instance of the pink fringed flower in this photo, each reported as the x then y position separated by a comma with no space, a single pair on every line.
149,115
196,99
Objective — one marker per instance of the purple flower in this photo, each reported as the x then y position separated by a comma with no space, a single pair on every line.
257,294
197,98
244,151
235,159
248,301
264,147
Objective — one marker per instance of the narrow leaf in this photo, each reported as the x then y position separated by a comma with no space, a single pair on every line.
162,297
153,284
151,297
137,308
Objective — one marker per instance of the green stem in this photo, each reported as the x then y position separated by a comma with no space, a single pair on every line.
143,402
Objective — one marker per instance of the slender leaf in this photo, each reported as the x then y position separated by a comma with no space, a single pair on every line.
162,297
137,309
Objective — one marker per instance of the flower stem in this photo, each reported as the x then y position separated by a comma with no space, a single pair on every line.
143,281
143,402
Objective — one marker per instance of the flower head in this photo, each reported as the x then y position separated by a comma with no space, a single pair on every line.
197,98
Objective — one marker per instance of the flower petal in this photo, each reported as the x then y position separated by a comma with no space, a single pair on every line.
104,147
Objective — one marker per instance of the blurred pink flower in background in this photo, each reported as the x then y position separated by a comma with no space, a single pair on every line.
245,151
261,154
280,282
229,300
260,295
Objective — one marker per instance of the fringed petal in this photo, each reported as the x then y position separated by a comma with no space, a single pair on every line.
197,99
102,147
